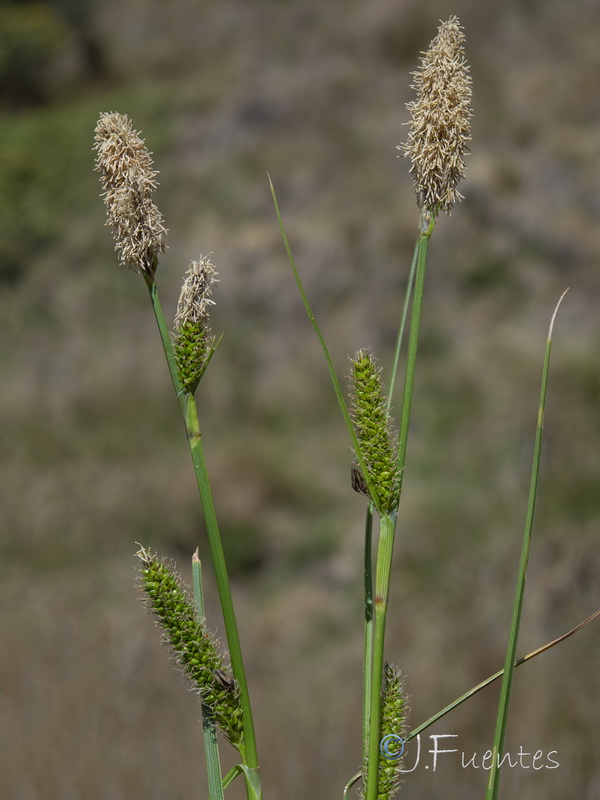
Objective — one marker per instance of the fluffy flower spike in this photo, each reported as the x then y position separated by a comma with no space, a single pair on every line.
440,124
129,180
192,341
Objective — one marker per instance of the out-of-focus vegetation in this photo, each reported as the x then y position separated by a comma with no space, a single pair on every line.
93,452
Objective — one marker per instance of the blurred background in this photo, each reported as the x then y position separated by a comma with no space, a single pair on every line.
94,457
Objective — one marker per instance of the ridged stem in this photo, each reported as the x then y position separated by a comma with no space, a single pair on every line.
190,414
166,340
223,587
211,748
400,337
382,587
426,229
368,636
368,567
387,523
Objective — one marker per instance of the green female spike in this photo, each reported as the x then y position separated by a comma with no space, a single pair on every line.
374,433
194,647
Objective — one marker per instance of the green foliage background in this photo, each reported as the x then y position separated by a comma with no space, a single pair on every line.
93,454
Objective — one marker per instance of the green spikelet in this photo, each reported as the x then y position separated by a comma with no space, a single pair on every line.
193,344
394,712
192,644
373,431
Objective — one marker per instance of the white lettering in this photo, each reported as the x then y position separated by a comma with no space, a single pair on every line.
503,759
521,755
537,756
470,762
522,758
435,750
404,771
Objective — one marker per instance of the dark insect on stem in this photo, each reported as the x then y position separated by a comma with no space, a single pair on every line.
224,680
358,482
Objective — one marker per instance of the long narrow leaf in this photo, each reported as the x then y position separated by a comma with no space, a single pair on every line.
455,703
509,664
459,700
334,379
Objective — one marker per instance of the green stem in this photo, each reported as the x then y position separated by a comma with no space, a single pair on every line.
382,586
387,523
211,748
166,341
368,645
368,556
400,337
187,404
455,703
426,229
509,664
249,757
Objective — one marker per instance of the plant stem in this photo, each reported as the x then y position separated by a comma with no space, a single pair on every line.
400,337
426,229
368,645
190,414
166,341
387,523
382,586
223,587
455,703
509,664
211,748
368,557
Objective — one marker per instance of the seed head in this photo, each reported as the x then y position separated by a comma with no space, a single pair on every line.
374,433
440,120
193,646
394,713
129,179
192,341
195,292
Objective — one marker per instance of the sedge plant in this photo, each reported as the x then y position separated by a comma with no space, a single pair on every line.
129,179
437,144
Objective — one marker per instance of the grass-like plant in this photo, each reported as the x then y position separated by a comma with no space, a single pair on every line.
437,144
